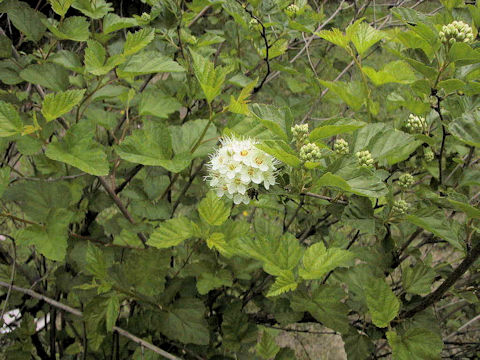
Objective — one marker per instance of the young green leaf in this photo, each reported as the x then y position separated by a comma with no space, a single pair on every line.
171,233
10,122
318,261
137,41
213,209
382,303
57,104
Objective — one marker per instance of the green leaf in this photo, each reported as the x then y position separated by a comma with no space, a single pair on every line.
462,54
5,46
277,253
94,9
435,222
95,262
49,240
51,76
148,62
155,103
78,148
385,143
185,322
137,41
208,281
4,179
24,18
213,209
417,279
57,104
285,282
267,348
152,146
339,127
335,36
112,22
318,261
415,344
352,93
469,210
10,122
72,28
239,105
363,36
281,151
95,56
467,128
61,6
277,120
185,137
393,72
171,233
211,79
382,303
112,311
357,347
326,306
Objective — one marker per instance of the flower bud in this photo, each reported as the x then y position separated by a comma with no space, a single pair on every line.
310,152
292,10
428,155
456,31
415,124
341,147
300,132
400,207
365,159
405,181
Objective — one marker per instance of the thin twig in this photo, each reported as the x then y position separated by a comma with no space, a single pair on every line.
78,313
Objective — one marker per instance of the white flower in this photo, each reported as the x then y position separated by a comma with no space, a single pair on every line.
238,166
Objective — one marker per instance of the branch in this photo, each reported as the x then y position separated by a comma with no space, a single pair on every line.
76,312
329,199
431,299
121,207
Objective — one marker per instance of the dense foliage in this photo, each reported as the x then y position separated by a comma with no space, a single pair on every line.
342,187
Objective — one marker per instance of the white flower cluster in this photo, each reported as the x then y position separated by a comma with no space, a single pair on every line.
341,147
238,166
365,159
292,10
415,123
456,31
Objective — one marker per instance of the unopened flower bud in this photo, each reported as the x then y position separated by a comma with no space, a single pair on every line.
341,147
456,31
300,132
415,124
405,181
365,159
428,154
310,152
400,207
292,10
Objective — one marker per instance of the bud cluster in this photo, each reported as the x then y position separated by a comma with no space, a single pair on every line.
400,207
456,31
365,159
292,10
405,181
238,166
415,123
310,152
300,133
341,147
428,154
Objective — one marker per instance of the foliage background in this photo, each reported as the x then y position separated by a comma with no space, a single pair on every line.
108,112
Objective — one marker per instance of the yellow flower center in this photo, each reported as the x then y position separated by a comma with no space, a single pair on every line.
232,166
259,161
251,171
244,152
